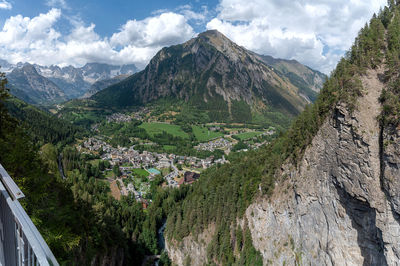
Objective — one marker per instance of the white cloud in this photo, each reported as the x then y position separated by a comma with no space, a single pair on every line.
5,4
314,32
83,34
36,40
57,3
23,33
165,29
189,14
295,29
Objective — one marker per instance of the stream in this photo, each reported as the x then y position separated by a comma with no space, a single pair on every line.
161,239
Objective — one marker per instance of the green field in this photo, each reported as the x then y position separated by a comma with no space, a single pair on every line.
169,148
157,128
248,135
140,172
203,134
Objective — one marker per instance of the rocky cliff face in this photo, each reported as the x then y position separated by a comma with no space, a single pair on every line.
102,84
191,251
308,80
340,206
27,84
75,82
61,83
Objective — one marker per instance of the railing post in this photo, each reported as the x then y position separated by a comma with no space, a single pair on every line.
20,241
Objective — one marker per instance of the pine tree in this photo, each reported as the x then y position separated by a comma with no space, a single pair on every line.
4,117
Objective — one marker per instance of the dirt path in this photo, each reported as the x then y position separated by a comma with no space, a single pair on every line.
115,192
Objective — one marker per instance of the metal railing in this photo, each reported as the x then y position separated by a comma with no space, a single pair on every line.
20,241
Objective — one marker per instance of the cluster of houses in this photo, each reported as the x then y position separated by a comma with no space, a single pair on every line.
129,159
212,145
118,118
121,155
136,159
139,115
93,144
214,128
126,190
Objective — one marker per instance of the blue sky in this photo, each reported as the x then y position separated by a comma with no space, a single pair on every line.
107,15
63,32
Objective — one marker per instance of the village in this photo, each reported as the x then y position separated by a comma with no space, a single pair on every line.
131,170
219,143
136,169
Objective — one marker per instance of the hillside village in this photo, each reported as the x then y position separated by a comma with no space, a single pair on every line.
129,160
132,169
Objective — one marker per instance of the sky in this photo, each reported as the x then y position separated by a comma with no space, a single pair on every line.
316,33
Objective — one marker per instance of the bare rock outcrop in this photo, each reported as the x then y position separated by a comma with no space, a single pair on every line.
340,205
190,251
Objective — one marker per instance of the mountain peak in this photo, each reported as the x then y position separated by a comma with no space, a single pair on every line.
26,68
212,34
213,74
215,39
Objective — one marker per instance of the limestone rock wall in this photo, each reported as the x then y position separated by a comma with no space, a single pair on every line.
340,206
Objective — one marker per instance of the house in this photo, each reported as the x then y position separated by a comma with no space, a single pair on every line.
189,178
145,204
164,163
214,129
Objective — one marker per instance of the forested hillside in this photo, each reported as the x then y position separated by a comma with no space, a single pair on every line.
77,217
48,201
41,126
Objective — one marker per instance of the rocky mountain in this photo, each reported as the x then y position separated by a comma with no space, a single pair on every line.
215,75
5,66
102,84
309,81
73,82
325,193
27,84
343,203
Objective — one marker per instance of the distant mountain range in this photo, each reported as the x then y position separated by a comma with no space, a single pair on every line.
210,73
215,75
308,81
28,85
104,83
45,85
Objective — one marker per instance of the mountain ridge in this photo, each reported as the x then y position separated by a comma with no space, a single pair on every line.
28,84
209,72
73,82
104,83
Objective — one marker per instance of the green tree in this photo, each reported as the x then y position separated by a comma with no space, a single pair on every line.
116,170
4,117
48,154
